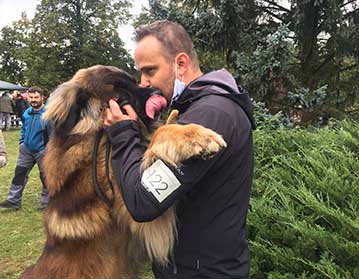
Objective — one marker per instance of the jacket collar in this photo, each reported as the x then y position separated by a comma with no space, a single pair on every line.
32,111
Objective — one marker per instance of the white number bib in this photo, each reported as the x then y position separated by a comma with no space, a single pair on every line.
159,180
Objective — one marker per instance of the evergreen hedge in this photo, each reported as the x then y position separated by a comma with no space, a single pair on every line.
303,220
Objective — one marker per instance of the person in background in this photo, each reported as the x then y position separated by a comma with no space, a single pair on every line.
34,137
6,104
211,196
3,158
46,96
20,105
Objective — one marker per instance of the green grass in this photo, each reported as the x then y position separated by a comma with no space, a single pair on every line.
22,233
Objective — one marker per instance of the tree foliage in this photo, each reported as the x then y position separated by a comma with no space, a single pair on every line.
276,47
284,52
66,35
217,28
13,45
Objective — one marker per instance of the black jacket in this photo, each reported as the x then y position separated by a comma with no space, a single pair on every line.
212,201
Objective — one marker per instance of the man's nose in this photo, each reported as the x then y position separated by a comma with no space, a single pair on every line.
144,82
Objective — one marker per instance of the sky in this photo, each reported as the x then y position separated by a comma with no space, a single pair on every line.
10,10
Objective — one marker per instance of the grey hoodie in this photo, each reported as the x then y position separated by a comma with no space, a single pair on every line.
218,82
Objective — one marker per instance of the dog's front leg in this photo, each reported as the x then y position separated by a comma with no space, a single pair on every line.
174,143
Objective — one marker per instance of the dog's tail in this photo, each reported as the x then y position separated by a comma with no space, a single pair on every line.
172,118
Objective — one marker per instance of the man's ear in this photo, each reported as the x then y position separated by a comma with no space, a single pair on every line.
182,64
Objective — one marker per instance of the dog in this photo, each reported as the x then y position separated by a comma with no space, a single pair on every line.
87,237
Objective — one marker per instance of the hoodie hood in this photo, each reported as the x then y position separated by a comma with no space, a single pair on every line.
220,83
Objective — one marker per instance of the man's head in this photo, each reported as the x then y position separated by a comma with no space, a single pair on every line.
35,97
165,52
14,95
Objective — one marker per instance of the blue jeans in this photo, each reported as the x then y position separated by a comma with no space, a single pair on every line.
25,162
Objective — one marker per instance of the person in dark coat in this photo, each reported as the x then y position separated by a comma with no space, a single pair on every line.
211,196
20,104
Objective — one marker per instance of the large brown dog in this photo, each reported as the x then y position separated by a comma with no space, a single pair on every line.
85,237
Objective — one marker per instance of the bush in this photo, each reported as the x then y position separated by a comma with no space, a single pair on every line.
267,121
303,220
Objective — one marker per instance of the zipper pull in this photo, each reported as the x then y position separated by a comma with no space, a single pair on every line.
174,263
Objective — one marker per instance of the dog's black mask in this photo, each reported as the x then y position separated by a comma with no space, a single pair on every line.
130,93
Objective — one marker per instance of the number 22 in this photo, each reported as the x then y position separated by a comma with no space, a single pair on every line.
157,183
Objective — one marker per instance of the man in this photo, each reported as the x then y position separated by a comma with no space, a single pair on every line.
33,139
212,199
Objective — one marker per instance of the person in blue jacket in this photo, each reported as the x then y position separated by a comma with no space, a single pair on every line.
211,196
34,137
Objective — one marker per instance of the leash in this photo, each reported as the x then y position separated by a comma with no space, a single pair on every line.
108,148
95,183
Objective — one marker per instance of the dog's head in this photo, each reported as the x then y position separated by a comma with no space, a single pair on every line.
76,106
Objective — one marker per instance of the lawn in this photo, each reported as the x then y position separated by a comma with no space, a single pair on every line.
22,232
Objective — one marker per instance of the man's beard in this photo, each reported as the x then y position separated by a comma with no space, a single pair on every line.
36,105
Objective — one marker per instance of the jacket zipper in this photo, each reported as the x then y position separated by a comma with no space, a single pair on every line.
31,130
174,263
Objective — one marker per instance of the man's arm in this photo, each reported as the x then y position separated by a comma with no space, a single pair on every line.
149,194
143,201
23,129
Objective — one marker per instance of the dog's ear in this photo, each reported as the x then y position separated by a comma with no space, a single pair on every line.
67,107
74,113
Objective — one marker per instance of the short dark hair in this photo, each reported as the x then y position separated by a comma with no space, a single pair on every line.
173,37
35,89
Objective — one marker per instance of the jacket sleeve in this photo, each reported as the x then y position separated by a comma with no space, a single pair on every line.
127,153
143,201
23,128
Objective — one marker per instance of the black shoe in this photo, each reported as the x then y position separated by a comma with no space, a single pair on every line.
10,205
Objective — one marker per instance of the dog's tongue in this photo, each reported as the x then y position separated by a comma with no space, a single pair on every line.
154,104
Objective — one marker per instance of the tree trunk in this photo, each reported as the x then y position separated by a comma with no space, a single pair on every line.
308,29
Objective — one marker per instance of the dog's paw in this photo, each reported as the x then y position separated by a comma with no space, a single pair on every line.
205,142
176,143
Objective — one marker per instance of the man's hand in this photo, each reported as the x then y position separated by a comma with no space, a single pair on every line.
2,161
113,114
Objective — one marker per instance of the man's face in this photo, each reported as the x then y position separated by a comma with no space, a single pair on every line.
35,100
155,70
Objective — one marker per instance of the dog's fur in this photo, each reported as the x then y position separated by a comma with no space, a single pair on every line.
84,237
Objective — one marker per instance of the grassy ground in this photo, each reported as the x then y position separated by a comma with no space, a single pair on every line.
22,233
